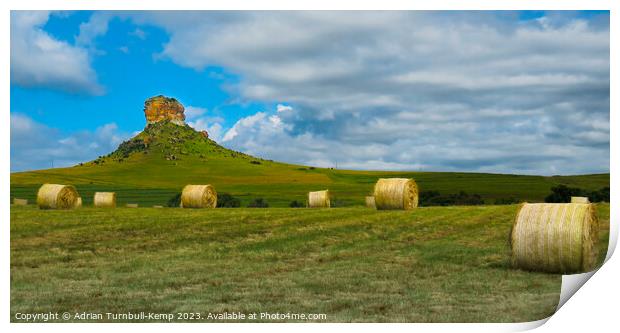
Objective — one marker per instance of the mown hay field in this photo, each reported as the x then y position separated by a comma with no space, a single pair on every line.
437,264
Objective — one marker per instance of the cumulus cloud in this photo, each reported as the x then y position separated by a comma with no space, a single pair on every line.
283,108
472,91
40,60
96,26
192,112
37,146
198,118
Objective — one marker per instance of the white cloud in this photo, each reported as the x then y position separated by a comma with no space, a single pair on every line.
37,146
471,91
283,108
40,60
96,26
468,91
198,118
253,123
192,112
261,135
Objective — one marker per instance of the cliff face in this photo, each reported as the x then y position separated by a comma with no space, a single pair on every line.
160,108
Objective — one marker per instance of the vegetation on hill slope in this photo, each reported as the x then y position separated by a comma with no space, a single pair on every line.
152,167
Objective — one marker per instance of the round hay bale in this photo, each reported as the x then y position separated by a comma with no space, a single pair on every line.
78,202
396,193
583,200
158,206
199,196
370,202
56,196
104,200
555,238
319,199
131,205
20,202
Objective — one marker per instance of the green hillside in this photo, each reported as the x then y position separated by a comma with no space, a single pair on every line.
155,165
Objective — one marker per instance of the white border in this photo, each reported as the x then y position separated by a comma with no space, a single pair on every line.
593,308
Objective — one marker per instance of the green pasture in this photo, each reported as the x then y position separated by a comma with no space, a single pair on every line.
435,264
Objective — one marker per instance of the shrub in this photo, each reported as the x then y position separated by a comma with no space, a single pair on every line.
296,204
131,146
258,203
562,193
600,195
434,198
335,202
427,198
255,162
225,200
175,201
506,201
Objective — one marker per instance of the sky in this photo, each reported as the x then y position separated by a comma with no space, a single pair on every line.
500,92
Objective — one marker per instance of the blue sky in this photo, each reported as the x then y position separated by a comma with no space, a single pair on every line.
129,71
509,92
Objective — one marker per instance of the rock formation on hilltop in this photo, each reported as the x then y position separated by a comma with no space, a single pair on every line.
168,137
160,108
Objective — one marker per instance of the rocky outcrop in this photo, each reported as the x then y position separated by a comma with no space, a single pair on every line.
160,108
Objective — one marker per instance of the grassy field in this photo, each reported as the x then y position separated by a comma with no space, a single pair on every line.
150,177
441,264
437,264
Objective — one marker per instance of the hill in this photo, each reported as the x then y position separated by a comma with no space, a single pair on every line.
154,165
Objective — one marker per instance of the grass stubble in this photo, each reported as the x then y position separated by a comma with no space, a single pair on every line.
438,264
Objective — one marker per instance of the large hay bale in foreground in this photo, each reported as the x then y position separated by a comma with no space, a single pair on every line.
396,193
555,237
104,200
319,199
20,202
583,200
198,196
370,202
56,196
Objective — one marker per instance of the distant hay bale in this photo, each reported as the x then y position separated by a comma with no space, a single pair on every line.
56,196
78,202
158,206
130,205
396,193
555,237
319,199
583,200
199,196
104,200
20,202
370,202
